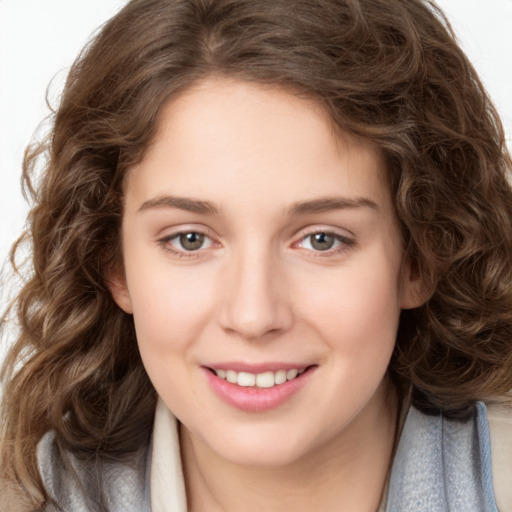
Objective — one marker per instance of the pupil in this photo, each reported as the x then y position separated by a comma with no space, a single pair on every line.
191,241
322,241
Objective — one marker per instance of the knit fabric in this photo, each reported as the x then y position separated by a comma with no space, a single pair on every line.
80,486
440,465
443,465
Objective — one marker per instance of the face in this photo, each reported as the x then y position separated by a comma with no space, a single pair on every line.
264,272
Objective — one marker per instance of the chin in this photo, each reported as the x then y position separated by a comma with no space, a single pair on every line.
261,448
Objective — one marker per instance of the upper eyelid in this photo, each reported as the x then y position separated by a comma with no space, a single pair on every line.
346,239
311,230
214,240
176,234
341,238
173,232
165,242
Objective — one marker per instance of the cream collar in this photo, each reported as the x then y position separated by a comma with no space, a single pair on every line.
167,482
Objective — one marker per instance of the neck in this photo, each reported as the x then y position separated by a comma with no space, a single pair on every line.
348,472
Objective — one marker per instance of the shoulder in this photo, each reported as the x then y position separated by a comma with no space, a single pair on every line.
500,426
84,486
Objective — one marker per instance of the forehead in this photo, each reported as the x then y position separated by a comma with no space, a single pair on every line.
244,139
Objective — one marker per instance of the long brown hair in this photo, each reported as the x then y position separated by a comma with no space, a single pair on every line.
386,70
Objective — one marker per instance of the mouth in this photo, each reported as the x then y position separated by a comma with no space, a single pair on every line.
257,387
264,380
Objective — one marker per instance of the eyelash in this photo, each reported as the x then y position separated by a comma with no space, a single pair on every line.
183,253
345,243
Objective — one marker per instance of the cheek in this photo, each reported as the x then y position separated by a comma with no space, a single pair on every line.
169,308
170,313
356,316
356,309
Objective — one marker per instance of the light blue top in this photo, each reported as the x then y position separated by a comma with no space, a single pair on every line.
440,465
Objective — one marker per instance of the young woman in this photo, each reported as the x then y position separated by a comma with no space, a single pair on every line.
271,269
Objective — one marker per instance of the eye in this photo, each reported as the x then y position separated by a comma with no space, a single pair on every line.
320,241
323,241
187,241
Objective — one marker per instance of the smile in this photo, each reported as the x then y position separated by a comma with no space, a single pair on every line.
267,379
260,390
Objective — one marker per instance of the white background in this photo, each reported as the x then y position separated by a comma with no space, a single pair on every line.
40,38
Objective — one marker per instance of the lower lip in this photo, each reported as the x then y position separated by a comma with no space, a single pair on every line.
255,399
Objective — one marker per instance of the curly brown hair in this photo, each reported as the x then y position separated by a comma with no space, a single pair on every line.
386,70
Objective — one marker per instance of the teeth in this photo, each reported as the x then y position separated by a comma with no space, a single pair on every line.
261,380
265,380
291,374
246,379
280,376
231,376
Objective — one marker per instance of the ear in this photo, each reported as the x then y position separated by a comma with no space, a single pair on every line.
116,283
414,291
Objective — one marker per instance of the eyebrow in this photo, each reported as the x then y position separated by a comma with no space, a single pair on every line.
327,204
182,203
321,205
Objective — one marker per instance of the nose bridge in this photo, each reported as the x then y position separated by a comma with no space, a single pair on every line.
254,303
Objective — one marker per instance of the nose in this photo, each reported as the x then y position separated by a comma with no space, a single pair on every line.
255,302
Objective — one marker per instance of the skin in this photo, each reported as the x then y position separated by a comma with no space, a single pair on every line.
257,290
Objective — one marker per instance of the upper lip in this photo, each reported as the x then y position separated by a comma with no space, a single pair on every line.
256,368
